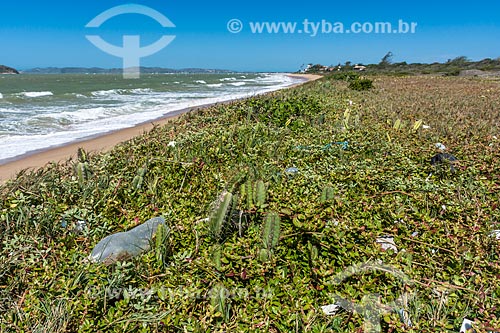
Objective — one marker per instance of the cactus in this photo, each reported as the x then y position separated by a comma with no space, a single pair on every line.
216,256
139,179
234,206
313,251
243,193
260,193
219,214
82,172
264,255
237,180
327,194
347,115
248,189
397,124
160,246
82,155
417,125
271,230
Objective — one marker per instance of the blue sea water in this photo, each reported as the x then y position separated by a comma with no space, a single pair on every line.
42,111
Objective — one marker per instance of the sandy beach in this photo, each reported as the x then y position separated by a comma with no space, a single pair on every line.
99,143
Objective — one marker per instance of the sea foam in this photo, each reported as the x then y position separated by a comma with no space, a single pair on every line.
237,84
33,94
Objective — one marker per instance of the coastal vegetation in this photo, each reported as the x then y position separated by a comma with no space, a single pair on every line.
268,201
459,66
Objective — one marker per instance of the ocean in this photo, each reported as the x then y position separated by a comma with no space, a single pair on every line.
39,111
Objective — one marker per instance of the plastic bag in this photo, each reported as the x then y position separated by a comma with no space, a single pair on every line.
125,245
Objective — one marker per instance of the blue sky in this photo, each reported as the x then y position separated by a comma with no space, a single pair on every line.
36,33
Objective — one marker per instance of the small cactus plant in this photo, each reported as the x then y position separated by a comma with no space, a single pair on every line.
270,235
221,210
327,194
82,172
260,193
271,231
139,179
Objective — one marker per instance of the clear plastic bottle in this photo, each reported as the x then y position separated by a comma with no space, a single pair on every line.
125,245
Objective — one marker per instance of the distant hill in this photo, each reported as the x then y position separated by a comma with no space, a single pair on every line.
7,70
97,70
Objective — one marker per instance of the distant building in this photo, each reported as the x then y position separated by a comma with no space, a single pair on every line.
308,67
359,68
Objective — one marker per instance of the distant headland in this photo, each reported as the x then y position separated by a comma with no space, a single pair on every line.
97,70
8,70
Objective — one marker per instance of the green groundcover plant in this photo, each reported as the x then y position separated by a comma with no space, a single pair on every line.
269,201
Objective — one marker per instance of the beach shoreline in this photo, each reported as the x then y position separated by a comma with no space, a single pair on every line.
102,142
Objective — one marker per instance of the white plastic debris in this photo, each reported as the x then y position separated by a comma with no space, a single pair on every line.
440,146
496,234
426,126
466,326
428,177
125,245
405,318
387,243
330,309
80,226
172,144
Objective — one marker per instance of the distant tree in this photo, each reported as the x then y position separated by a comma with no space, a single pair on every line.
461,60
386,60
316,68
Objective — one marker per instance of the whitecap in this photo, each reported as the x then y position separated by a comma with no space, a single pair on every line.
215,85
105,93
237,84
200,81
141,91
33,94
1,96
